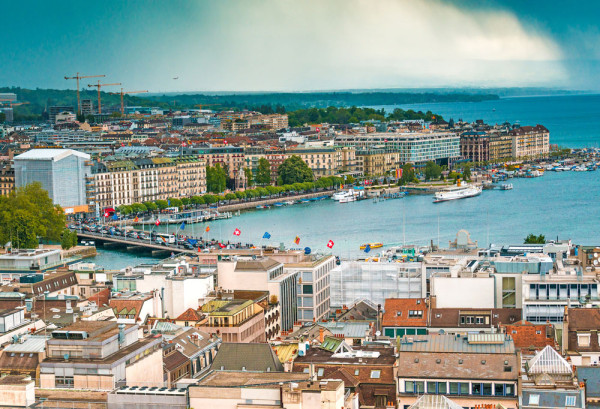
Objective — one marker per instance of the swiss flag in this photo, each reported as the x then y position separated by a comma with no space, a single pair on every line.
222,245
330,243
157,222
106,214
237,232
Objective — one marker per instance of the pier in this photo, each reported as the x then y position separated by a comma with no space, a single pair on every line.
133,245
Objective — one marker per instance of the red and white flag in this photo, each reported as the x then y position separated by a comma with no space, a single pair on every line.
237,232
222,245
157,222
330,243
106,214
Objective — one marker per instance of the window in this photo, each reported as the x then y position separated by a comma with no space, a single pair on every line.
356,372
570,400
464,388
320,371
64,382
441,388
431,387
499,389
375,374
487,389
476,389
307,289
415,314
509,389
583,340
534,400
409,387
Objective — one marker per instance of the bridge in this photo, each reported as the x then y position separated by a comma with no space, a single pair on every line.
134,245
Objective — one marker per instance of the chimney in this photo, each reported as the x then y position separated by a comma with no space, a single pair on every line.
321,335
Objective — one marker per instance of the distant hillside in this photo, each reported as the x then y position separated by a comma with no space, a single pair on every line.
39,99
298,100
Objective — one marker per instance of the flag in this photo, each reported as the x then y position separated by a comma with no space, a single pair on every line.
207,229
169,202
330,243
367,248
222,245
163,239
106,214
266,235
115,217
137,219
157,222
297,240
237,232
182,227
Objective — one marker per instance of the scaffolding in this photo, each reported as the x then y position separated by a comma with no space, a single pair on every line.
375,281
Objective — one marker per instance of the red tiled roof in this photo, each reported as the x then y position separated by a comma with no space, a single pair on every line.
190,315
397,312
101,298
127,307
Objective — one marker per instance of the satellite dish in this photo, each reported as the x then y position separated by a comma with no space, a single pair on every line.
378,333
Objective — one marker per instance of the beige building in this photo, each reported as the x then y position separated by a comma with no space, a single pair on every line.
500,147
101,355
378,161
326,161
125,182
530,141
237,389
234,320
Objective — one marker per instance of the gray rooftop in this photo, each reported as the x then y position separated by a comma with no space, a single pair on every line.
248,357
474,343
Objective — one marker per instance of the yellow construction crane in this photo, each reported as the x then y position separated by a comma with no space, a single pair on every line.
123,93
11,103
78,77
98,85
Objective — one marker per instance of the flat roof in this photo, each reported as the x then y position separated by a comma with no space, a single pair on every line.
236,379
50,154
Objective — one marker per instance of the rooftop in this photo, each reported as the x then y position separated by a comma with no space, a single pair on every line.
236,379
474,343
50,154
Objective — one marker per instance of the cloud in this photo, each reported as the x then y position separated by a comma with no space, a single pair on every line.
290,45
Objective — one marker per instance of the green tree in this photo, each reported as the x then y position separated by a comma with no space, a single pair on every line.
66,239
533,239
408,174
294,170
249,176
161,204
125,209
467,172
230,196
28,213
138,208
73,238
216,178
150,206
432,170
240,194
209,199
186,201
197,200
263,176
175,202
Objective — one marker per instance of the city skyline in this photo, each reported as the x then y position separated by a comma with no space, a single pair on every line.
295,46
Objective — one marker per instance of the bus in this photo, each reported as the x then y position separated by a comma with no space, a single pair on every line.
163,238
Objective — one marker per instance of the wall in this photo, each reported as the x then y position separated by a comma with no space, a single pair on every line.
148,371
17,395
230,398
463,292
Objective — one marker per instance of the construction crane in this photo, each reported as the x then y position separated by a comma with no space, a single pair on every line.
123,93
99,86
11,103
78,77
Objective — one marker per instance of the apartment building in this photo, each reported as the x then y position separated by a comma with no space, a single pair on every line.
263,274
313,289
378,161
230,158
7,178
325,161
501,147
101,355
580,340
124,182
473,370
240,321
475,146
530,141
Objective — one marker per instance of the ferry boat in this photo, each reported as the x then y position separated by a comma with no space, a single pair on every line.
371,245
506,186
350,195
459,191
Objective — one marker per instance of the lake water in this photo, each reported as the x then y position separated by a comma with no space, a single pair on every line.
563,205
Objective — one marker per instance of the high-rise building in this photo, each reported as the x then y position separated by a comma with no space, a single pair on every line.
87,107
8,97
62,172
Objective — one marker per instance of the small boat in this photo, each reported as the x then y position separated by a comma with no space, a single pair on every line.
458,191
278,204
506,186
290,202
371,245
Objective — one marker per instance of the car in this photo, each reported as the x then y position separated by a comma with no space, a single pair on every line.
142,236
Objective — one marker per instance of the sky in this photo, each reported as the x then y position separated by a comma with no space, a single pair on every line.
296,45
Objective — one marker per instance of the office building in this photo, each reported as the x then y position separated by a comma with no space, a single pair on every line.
53,111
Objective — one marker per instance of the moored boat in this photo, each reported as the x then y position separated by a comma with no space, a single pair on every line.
371,245
459,191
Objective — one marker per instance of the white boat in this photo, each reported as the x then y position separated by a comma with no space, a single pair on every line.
345,196
506,186
459,191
